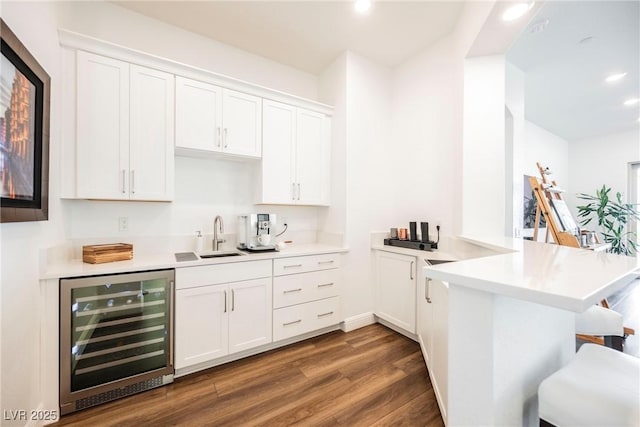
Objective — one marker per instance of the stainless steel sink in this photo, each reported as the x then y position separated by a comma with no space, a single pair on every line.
220,254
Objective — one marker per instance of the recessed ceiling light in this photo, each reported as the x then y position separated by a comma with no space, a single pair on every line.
362,6
615,77
516,11
632,101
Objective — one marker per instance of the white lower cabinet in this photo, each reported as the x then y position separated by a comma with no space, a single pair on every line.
433,332
395,289
306,292
214,318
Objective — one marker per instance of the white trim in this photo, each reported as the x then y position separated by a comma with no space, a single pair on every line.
358,321
397,329
78,41
632,191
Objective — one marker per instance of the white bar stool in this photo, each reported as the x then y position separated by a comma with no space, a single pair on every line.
599,387
602,322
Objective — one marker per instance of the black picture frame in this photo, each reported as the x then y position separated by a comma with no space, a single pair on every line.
24,133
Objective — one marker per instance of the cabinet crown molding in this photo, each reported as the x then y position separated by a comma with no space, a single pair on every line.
73,40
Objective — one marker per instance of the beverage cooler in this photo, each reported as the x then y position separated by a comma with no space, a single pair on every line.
115,336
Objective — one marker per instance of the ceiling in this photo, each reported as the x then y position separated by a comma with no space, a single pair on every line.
565,92
310,35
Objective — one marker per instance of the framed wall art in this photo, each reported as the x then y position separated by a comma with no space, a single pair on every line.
24,133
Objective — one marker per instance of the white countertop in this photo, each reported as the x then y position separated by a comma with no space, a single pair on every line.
568,278
75,268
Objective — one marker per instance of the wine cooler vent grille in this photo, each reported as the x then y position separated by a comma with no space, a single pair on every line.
107,396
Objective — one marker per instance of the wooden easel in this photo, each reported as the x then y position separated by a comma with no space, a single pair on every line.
544,192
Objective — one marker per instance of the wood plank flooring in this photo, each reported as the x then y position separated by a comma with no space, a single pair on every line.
368,377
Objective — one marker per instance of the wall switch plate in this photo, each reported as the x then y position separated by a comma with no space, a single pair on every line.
123,223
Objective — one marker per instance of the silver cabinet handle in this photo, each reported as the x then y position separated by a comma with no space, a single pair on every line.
133,181
298,191
124,190
218,139
325,285
226,138
293,191
411,270
233,300
225,301
325,262
292,323
293,266
288,291
427,282
329,313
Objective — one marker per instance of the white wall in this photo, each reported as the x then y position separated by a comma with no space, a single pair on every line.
484,165
550,151
426,139
598,161
21,304
515,144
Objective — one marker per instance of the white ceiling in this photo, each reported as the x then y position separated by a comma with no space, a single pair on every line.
565,92
309,35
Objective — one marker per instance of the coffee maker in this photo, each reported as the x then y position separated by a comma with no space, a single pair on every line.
256,232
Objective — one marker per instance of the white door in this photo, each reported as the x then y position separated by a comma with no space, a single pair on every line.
250,314
396,289
151,160
278,156
201,325
424,318
440,340
312,158
102,127
242,123
198,115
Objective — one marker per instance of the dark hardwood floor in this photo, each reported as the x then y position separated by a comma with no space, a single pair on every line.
368,377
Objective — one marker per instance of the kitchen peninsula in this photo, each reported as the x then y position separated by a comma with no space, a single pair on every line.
511,323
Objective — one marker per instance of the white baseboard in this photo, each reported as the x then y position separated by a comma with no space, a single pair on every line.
358,321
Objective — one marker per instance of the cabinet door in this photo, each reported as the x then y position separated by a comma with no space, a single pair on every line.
312,158
242,123
250,314
396,289
198,115
201,325
440,340
278,156
102,127
151,161
424,318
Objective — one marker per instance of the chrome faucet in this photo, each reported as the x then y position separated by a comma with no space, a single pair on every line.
217,225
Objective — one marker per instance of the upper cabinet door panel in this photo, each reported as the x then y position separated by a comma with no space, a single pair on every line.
278,155
102,127
151,143
242,124
312,156
198,115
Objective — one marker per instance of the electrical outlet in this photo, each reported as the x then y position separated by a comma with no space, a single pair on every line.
123,223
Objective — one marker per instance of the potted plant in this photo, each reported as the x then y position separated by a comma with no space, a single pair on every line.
613,215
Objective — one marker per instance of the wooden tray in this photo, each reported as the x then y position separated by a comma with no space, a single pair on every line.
98,254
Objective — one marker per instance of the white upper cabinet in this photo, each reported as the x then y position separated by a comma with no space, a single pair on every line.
212,119
296,156
198,115
124,122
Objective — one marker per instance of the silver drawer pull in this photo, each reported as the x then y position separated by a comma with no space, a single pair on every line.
325,285
292,323
325,262
325,314
292,266
288,291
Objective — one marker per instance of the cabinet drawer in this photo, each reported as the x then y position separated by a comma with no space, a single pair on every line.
191,277
300,288
303,318
303,264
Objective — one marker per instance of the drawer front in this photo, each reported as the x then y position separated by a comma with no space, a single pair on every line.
305,287
302,318
303,264
193,277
